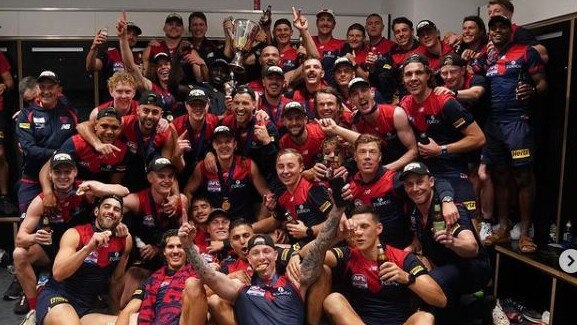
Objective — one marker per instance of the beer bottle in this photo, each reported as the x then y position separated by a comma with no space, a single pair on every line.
46,227
423,138
381,256
438,220
46,224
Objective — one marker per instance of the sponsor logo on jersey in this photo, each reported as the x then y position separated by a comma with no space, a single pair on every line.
520,153
301,209
114,256
255,291
213,186
359,281
148,220
92,258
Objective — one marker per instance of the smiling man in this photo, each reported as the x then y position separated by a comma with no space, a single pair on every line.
91,164
447,131
90,260
35,244
161,298
256,139
301,136
42,127
386,121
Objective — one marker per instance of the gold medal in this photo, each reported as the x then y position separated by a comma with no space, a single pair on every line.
225,204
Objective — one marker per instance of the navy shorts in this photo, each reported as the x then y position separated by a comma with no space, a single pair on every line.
508,143
49,297
27,191
464,192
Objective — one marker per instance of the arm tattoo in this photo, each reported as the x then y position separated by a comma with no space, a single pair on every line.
199,264
313,261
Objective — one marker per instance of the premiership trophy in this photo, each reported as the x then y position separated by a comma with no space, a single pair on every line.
243,36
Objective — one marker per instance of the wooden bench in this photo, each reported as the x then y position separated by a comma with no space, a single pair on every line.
15,222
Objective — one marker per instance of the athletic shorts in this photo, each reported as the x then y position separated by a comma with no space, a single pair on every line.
463,191
508,143
49,297
27,191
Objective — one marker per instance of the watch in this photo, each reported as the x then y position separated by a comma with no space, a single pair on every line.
444,150
411,279
447,199
310,232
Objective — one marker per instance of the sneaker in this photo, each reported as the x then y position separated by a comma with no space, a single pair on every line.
21,308
499,317
14,291
545,317
30,318
6,206
486,230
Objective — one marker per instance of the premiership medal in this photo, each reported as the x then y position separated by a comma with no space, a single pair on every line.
226,205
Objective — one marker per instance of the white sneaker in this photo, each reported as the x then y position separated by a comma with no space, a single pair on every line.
515,233
499,317
30,318
486,230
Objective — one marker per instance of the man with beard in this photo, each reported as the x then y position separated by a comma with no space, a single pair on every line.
122,89
388,122
39,234
91,164
447,131
284,304
327,46
518,34
272,101
42,128
305,138
269,56
173,30
513,80
192,133
256,139
161,298
386,76
90,260
313,81
141,134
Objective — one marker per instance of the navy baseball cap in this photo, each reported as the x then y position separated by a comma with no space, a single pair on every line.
150,97
61,158
260,240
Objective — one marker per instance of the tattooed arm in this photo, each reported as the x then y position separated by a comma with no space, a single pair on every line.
222,285
312,264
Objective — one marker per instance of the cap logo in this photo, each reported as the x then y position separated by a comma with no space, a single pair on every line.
151,99
259,241
196,93
292,105
48,74
448,61
221,128
275,69
61,156
162,161
411,166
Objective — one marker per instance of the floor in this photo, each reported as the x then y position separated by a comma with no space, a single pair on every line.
7,316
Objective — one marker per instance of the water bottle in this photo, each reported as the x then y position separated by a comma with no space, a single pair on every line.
567,236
